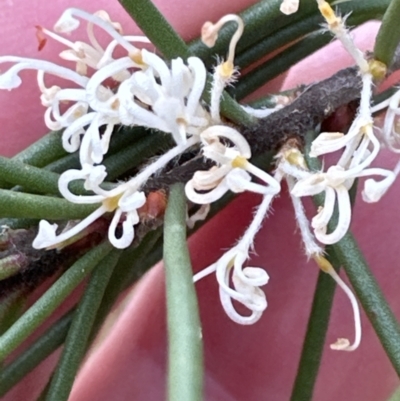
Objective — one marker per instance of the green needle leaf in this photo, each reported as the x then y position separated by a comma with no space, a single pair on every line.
81,327
51,299
18,204
44,346
185,350
156,28
388,36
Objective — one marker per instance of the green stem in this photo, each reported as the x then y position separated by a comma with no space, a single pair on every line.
44,346
314,341
81,327
18,204
185,354
51,299
388,36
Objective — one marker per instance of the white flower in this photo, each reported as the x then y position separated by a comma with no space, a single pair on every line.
122,201
233,170
335,183
175,100
246,281
332,183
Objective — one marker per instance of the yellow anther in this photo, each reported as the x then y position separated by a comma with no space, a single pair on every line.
295,158
323,264
366,128
239,161
115,104
328,13
181,121
112,203
136,57
226,69
377,69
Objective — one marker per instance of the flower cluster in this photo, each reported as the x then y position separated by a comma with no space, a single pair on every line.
139,88
146,92
359,148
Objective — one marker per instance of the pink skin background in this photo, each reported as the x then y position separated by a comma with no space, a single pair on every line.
241,363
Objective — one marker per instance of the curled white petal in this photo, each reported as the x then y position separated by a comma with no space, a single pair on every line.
160,67
71,138
273,185
220,190
212,133
328,142
206,180
238,180
128,232
72,175
311,185
68,23
343,224
252,297
321,219
198,69
10,79
47,237
200,215
374,190
343,344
